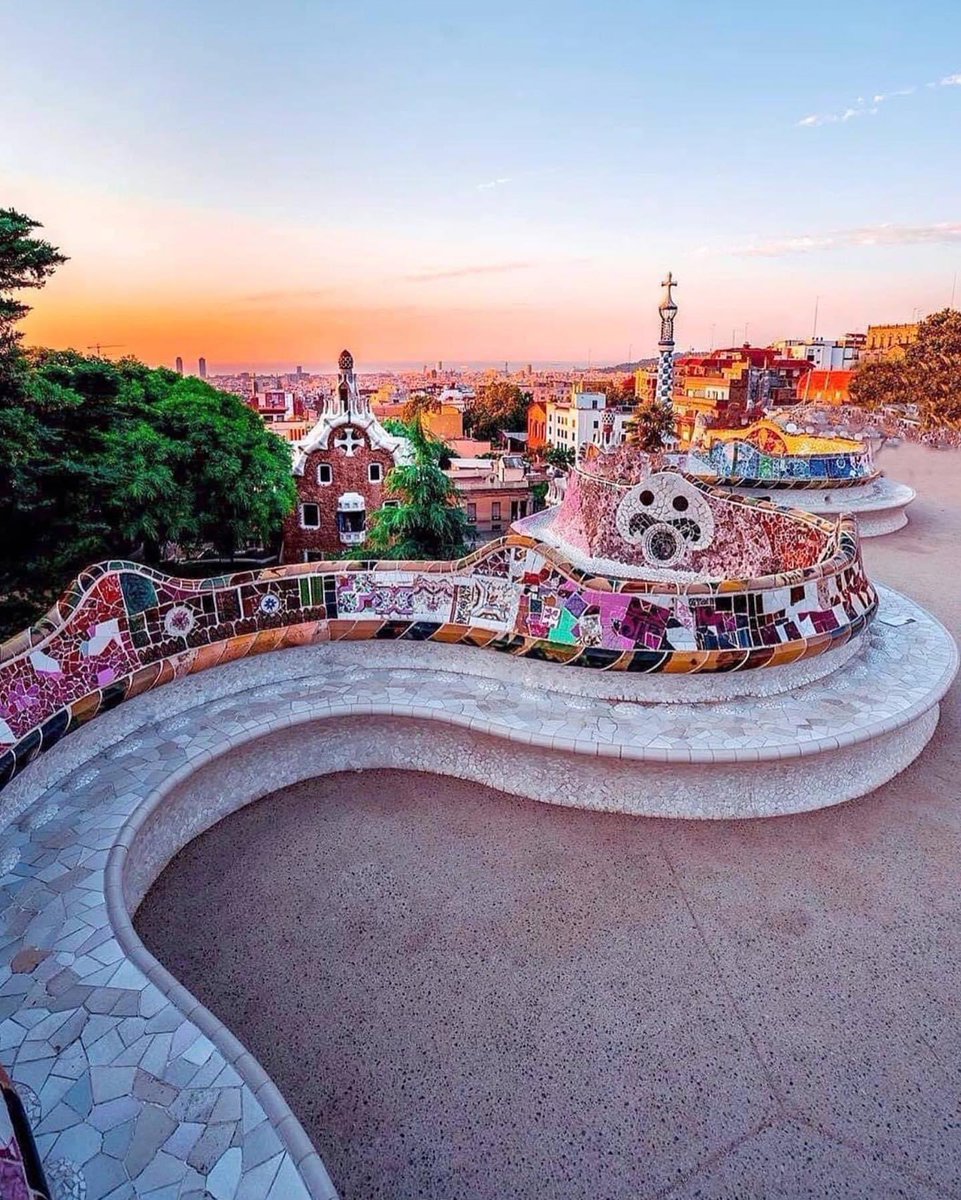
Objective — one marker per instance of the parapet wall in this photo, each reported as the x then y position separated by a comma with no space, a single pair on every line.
741,463
123,629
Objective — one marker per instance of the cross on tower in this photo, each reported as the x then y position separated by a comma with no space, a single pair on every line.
349,442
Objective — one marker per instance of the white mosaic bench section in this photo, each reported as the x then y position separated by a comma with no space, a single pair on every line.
133,1088
879,506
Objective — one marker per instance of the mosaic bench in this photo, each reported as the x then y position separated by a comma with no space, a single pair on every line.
133,1088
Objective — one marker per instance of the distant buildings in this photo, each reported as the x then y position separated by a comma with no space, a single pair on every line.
825,354
202,368
889,341
493,492
584,419
179,365
723,385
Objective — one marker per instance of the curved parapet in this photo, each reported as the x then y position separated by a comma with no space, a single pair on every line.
880,505
766,455
123,629
743,464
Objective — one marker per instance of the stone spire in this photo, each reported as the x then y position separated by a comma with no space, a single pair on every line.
665,346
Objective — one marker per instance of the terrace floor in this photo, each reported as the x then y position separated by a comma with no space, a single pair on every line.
465,994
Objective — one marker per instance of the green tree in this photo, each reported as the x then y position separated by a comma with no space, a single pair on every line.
497,407
878,384
428,522
651,425
199,469
26,261
106,459
418,404
561,457
929,374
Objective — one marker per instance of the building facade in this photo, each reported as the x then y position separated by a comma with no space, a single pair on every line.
826,387
493,492
340,468
585,419
889,341
825,354
726,385
537,426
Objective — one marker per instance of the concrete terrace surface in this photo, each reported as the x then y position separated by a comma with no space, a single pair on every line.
463,994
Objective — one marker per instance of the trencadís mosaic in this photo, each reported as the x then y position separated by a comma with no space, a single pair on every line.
766,455
123,628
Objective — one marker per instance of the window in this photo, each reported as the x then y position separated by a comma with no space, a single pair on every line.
472,514
391,504
325,474
310,516
495,510
375,473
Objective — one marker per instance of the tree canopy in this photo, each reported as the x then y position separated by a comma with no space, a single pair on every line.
561,457
497,407
26,261
104,459
427,522
929,374
651,425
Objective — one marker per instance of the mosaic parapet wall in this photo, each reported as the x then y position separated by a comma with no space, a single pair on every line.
768,455
671,526
123,629
744,465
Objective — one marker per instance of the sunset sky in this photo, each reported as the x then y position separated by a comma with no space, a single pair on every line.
263,183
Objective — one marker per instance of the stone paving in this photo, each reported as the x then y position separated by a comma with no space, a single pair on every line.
485,997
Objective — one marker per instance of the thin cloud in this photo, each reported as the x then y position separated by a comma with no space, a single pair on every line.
861,108
493,183
464,272
287,295
943,233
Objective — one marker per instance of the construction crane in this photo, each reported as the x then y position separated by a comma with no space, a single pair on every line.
98,346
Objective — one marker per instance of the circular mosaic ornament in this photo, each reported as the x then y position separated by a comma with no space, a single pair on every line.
179,621
666,517
270,604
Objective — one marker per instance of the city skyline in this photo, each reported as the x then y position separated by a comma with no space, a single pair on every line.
510,184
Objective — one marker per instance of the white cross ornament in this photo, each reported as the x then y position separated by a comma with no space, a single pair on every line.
349,442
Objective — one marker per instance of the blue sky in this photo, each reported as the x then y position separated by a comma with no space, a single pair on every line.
510,180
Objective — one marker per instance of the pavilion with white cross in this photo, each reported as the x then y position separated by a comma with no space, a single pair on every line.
341,469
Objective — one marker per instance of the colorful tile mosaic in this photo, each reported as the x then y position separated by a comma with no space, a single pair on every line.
766,455
749,585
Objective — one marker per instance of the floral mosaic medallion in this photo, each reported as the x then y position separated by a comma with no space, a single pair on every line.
179,621
270,605
667,517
